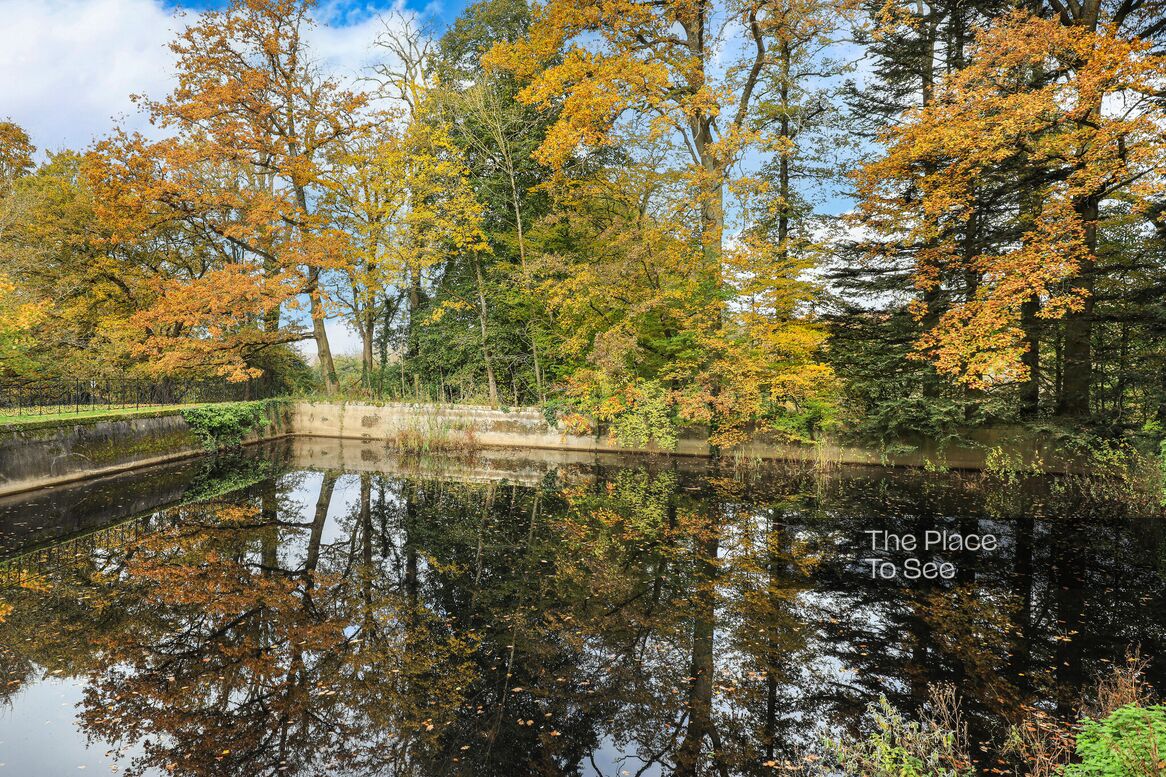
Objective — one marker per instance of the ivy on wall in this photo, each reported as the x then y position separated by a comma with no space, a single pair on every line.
224,425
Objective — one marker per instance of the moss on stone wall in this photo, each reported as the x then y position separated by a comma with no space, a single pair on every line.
107,449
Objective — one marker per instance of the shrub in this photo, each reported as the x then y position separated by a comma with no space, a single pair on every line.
1129,742
935,746
224,425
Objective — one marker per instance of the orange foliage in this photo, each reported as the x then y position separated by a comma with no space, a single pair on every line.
1073,111
239,178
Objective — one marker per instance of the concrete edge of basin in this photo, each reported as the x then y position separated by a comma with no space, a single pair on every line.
68,452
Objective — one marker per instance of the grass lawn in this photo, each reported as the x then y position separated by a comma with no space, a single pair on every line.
33,419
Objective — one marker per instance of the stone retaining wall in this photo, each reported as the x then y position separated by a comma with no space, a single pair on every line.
74,449
40,455
457,426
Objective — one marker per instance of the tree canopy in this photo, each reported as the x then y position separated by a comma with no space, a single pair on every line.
766,217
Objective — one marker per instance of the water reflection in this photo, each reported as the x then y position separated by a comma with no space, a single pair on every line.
591,620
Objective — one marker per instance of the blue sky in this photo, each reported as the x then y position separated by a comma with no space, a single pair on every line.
351,11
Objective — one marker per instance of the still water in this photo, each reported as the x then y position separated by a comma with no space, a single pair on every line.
325,608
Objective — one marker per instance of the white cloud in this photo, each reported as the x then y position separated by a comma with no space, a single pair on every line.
68,67
344,40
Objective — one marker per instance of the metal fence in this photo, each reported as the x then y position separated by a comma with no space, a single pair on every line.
42,397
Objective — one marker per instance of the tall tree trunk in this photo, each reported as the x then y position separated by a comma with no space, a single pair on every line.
517,202
367,357
783,172
383,345
413,341
1030,324
932,298
538,374
323,350
493,384
1078,348
711,190
1030,387
521,233
1073,399
1123,353
269,517
712,210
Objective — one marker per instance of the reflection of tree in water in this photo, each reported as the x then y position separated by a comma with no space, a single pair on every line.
682,624
269,650
661,611
1030,624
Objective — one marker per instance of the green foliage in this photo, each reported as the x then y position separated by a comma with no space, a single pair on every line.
898,747
551,409
1007,466
804,422
889,396
1130,742
1103,456
1162,472
285,369
646,418
224,425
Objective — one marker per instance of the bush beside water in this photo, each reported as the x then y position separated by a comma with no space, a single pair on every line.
224,425
1121,734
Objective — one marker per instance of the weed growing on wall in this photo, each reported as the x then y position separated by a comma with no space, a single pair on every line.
225,425
429,433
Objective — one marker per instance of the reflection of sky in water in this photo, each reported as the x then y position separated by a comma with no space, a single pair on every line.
39,736
609,761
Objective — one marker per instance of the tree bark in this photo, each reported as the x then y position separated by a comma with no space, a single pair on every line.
367,357
323,349
1030,388
1077,381
493,384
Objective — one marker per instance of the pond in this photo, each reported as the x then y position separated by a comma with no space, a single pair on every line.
325,607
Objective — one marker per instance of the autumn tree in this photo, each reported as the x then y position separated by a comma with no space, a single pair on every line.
365,197
1125,19
16,152
399,194
909,48
674,65
707,85
430,215
251,122
73,292
1073,158
498,135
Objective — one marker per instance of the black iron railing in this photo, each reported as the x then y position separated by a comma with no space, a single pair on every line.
40,397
